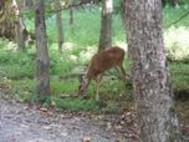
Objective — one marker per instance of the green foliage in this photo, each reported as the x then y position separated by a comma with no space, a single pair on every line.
117,6
170,15
16,65
76,104
64,87
17,69
78,33
169,2
180,75
177,43
86,28
176,37
24,90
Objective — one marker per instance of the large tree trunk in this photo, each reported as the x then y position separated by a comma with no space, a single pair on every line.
43,79
59,24
151,78
11,22
106,25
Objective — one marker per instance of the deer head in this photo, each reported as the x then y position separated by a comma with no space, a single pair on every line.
84,82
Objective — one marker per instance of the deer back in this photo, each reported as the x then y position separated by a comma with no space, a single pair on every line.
105,60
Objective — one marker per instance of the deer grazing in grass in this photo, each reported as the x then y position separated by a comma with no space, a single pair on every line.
101,62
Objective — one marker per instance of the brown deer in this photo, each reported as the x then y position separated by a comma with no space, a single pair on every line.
101,62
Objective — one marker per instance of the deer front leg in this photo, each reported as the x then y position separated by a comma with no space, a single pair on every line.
124,75
98,83
121,72
126,78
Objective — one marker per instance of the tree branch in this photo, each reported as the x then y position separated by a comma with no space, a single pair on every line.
82,2
178,20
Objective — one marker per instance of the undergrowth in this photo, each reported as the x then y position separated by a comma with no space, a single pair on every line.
17,69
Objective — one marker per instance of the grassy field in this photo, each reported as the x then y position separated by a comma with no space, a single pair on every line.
17,69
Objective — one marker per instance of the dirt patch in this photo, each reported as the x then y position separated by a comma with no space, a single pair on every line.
20,123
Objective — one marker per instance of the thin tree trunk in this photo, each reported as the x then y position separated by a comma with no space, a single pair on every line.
28,4
20,28
43,79
174,3
106,25
71,16
151,78
20,34
60,34
163,2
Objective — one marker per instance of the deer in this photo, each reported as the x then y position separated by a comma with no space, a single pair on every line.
100,62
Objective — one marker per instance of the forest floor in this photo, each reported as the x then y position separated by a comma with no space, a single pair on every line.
22,123
25,123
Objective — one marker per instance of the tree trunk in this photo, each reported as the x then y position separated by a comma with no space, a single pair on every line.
28,4
60,34
43,79
20,28
7,20
71,16
174,3
106,25
11,22
151,78
163,3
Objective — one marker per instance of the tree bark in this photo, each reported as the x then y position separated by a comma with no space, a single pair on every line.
20,28
11,22
43,79
106,25
7,20
28,4
60,34
174,3
163,2
151,78
71,15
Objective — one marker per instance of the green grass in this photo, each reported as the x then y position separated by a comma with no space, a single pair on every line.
16,65
180,76
76,104
170,15
17,69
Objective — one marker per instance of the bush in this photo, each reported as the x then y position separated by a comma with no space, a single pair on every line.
177,43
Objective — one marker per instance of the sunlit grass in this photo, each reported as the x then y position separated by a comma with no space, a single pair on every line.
177,43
